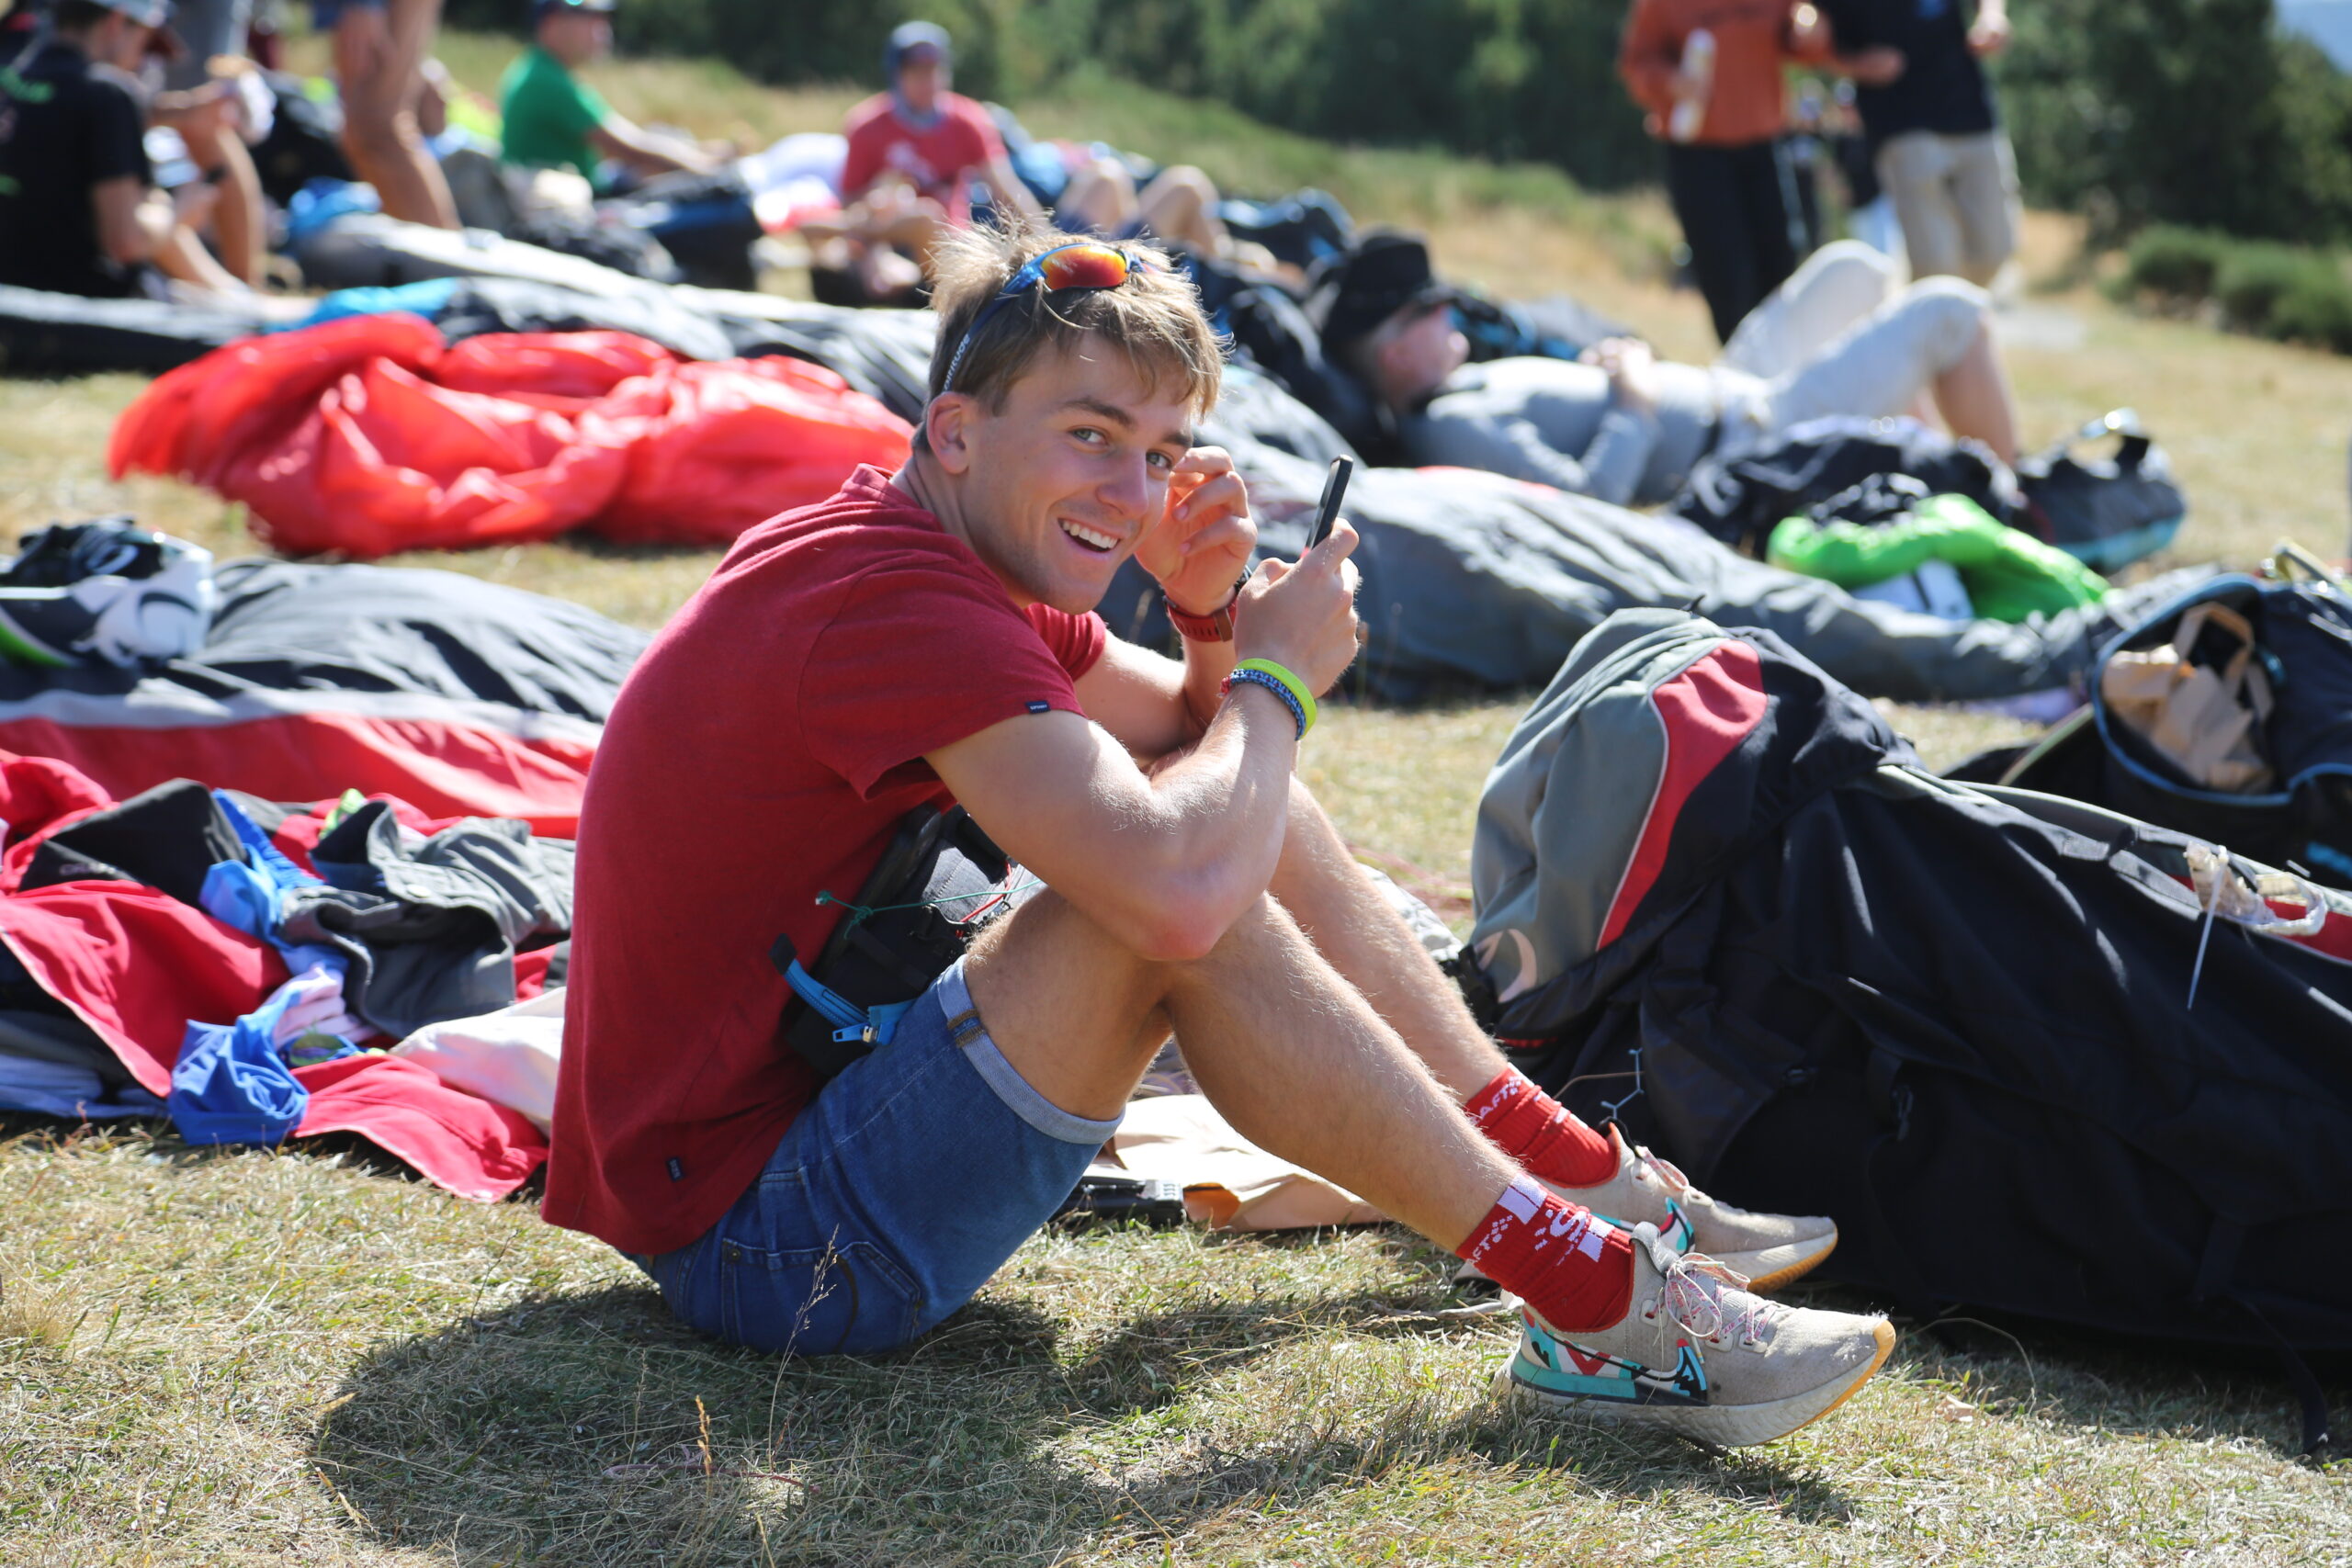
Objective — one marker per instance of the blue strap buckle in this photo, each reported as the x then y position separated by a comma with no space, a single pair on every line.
852,1024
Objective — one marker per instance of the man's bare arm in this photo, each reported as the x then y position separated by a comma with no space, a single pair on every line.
1197,550
1167,863
648,151
1153,704
132,223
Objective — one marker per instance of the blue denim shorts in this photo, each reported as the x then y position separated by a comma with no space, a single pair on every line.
907,1182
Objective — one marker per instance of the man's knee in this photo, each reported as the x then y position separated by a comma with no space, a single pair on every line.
1855,270
391,134
1952,313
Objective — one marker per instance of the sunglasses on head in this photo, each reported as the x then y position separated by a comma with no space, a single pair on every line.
1085,265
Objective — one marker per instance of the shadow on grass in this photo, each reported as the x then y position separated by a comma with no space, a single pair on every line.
591,1429
2109,1382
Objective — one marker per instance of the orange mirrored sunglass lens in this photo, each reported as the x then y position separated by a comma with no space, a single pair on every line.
1090,267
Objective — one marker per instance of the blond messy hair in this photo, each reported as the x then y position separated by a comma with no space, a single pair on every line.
1153,317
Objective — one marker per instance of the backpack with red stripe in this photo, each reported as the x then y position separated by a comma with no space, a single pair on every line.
2030,1055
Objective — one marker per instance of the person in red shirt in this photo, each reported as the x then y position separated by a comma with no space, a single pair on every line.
929,637
914,152
1718,106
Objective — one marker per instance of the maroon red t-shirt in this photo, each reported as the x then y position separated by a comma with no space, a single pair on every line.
937,160
762,752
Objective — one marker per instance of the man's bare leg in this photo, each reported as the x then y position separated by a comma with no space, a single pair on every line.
379,63
1287,1050
1349,921
1368,942
1974,399
1300,1064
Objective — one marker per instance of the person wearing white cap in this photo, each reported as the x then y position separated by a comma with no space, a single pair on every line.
79,213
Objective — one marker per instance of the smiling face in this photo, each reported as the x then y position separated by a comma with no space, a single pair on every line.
1052,490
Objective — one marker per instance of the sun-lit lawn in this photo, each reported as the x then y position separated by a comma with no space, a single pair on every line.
217,1357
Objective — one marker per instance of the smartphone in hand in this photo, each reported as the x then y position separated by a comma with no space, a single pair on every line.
1327,511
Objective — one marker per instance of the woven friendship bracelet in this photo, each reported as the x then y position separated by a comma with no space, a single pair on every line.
1282,683
1301,698
1259,678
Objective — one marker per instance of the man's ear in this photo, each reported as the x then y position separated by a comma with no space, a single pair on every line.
947,429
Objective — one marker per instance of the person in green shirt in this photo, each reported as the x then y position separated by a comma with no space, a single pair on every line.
554,120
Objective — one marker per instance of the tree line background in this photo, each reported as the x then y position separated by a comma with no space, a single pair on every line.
2185,112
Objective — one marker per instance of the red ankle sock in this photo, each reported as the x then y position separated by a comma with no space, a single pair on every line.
1538,1131
1570,1265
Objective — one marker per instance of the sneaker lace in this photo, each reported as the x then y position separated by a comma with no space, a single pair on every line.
1692,1292
1649,1167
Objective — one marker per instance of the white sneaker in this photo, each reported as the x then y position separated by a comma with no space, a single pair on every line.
1768,1251
1699,1355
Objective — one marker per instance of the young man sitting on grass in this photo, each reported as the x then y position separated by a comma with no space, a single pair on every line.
931,635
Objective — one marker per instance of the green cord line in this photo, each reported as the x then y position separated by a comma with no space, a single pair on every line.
866,912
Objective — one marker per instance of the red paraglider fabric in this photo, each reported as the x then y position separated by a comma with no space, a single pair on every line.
367,436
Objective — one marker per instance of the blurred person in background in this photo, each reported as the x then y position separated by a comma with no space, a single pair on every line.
553,121
80,209
379,52
1626,427
915,151
1927,110
1708,73
213,65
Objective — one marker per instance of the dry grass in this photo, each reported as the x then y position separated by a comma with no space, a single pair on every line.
299,1359
217,1357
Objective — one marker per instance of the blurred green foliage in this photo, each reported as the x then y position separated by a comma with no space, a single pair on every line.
2188,112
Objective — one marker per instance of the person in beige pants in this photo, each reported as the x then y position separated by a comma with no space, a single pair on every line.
1956,197
1927,107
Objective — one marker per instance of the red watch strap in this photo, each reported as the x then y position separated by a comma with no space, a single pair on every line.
1216,627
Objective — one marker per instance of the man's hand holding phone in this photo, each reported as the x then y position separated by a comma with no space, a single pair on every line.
1303,616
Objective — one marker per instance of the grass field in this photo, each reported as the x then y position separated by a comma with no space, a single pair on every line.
218,1356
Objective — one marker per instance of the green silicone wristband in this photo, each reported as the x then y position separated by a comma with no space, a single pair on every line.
1291,684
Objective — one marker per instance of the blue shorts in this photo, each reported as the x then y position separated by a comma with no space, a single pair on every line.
907,1182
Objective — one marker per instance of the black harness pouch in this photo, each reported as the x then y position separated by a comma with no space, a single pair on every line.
941,881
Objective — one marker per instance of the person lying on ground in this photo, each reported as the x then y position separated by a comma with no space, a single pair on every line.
915,150
554,120
379,52
1624,426
79,211
1177,206
929,637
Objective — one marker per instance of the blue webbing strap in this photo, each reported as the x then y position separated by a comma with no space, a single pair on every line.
875,1026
